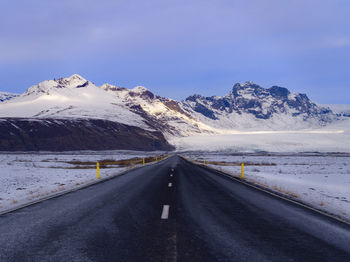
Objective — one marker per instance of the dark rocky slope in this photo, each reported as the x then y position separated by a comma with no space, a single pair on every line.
25,134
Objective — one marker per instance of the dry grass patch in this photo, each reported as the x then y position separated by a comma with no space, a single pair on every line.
286,192
111,163
128,162
81,163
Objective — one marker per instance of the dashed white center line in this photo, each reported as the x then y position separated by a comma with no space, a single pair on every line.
172,169
165,212
170,185
171,174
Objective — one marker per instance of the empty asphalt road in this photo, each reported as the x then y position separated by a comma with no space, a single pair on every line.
171,211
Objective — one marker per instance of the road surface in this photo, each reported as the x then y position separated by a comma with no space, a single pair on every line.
171,211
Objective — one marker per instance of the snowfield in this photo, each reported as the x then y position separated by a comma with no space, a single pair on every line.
316,179
333,138
26,177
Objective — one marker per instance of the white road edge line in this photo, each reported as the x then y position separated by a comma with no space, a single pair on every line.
170,185
165,212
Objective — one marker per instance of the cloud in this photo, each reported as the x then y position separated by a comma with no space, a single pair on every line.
36,29
158,41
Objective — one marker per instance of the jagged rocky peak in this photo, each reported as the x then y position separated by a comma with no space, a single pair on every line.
249,88
194,97
138,91
74,81
142,92
263,103
247,84
278,91
256,90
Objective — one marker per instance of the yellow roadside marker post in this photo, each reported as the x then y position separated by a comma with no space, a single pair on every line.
204,161
143,161
98,170
242,170
156,159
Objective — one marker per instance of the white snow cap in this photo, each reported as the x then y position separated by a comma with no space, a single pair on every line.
74,80
70,82
107,86
139,89
76,77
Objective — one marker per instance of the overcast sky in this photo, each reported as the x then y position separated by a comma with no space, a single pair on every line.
177,48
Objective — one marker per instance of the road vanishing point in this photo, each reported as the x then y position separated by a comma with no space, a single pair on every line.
172,210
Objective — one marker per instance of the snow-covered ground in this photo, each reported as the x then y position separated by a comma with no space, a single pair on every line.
319,180
25,177
333,138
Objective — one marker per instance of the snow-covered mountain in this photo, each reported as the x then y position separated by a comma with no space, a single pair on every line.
76,97
4,96
247,106
250,106
72,97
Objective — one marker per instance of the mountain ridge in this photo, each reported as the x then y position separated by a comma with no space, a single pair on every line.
6,96
263,103
247,106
